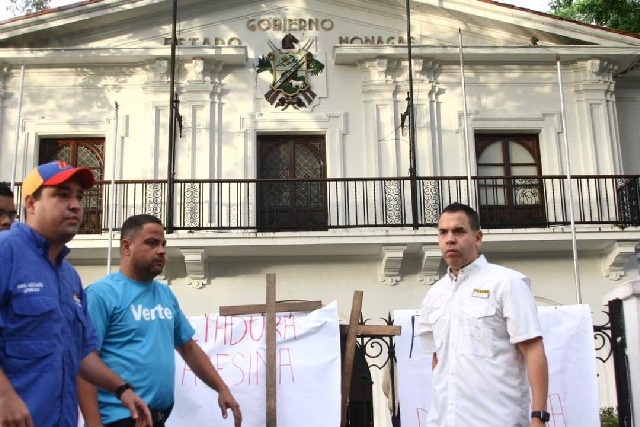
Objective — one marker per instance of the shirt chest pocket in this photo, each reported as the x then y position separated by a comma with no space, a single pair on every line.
437,323
478,329
33,317
32,356
30,341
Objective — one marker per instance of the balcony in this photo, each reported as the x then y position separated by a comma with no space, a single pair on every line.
340,203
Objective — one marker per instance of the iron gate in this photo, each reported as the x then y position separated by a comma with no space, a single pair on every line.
360,408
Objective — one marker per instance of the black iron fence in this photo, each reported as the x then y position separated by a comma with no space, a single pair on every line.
379,352
332,203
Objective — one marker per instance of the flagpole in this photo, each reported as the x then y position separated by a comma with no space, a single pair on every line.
112,198
172,121
574,243
413,181
467,145
15,145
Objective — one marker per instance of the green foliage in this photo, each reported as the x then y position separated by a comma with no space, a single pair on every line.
315,67
23,7
618,14
263,64
609,417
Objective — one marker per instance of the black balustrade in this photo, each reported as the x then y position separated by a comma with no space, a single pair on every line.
269,205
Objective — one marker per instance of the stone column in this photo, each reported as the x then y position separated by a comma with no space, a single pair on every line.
199,146
596,116
155,133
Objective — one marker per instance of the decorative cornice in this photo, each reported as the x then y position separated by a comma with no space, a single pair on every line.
230,55
616,256
352,54
431,260
391,264
594,75
377,70
203,71
159,70
195,260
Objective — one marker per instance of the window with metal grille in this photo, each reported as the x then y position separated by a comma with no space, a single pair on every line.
292,191
510,193
82,152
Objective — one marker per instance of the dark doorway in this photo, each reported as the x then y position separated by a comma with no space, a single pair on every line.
292,194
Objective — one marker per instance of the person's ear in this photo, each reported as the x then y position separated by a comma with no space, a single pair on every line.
479,237
29,205
125,247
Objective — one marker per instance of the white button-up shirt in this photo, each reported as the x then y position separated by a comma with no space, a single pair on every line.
472,323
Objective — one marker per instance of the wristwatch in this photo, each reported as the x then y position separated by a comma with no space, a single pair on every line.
543,415
126,386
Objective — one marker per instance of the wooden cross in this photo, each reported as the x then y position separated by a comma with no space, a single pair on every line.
271,308
354,330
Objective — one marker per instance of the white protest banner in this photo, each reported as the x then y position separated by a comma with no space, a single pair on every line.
570,349
414,371
308,370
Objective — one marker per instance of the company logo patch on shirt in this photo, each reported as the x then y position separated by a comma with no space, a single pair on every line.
480,293
27,288
77,300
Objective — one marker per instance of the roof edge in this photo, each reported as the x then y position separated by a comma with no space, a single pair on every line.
559,18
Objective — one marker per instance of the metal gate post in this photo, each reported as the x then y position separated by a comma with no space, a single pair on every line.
620,362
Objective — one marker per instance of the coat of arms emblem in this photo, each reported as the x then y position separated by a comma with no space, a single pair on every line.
290,68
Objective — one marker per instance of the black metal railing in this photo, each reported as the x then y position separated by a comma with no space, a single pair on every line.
372,351
333,203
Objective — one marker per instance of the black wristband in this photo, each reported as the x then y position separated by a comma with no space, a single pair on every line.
543,415
126,386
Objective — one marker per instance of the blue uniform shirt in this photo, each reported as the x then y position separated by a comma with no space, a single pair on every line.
45,330
138,326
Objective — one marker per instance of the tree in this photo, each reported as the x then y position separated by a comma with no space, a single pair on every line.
618,14
23,7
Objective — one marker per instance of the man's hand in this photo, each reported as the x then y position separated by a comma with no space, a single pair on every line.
13,410
200,365
139,410
226,401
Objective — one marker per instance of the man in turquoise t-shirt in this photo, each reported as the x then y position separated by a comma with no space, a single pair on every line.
139,323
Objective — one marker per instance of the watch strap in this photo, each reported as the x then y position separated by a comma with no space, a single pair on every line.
118,391
543,415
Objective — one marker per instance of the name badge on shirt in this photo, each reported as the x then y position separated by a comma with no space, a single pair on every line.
480,293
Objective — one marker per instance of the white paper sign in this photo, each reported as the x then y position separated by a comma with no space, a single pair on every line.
570,349
308,370
414,371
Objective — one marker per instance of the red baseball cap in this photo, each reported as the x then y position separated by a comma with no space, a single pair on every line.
55,173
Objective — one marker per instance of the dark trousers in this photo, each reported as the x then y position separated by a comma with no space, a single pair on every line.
158,418
130,422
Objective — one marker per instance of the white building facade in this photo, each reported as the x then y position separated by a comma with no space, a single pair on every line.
295,160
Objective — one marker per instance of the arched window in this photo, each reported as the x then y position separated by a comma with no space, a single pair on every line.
510,193
85,152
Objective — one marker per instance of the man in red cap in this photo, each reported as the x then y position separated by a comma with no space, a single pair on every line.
46,335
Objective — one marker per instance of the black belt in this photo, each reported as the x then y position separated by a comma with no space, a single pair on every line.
158,416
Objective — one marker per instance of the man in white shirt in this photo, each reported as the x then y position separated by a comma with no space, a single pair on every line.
480,322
